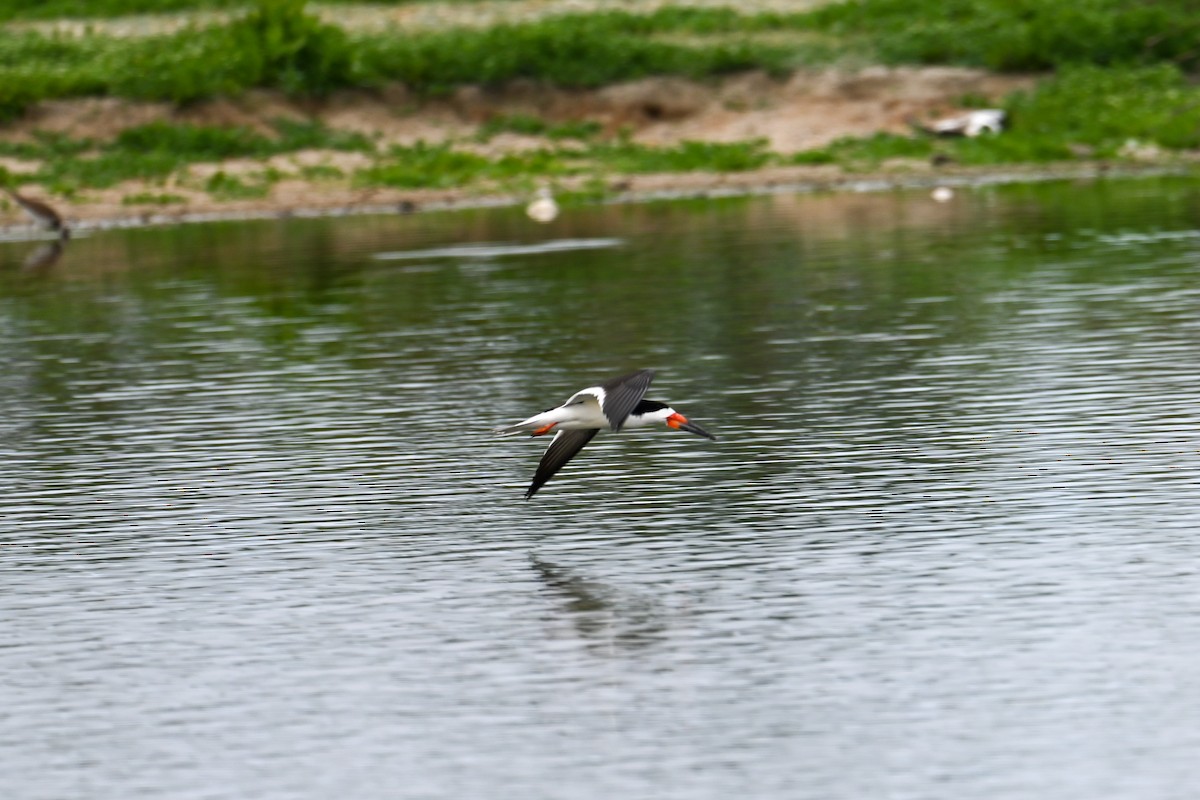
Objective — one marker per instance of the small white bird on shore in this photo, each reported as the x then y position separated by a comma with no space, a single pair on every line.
543,207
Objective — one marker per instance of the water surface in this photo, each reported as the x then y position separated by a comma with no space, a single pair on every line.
257,540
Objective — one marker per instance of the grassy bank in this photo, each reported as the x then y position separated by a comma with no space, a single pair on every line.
1084,111
1058,121
278,44
103,9
1116,74
160,154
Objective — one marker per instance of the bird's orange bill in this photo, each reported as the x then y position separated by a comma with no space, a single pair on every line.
680,422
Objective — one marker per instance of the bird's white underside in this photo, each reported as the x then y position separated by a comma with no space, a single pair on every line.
583,410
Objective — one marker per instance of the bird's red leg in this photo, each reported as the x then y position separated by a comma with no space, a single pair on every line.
543,430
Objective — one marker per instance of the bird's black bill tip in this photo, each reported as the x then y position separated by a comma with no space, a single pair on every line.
692,427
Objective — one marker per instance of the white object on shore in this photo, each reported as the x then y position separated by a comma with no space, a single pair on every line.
942,194
543,208
970,124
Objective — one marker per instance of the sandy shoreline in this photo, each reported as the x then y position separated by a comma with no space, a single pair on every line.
806,110
643,188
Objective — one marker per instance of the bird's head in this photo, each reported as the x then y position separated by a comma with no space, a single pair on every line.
649,412
679,422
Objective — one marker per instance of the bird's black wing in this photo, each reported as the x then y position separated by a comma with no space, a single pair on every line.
564,447
621,395
38,210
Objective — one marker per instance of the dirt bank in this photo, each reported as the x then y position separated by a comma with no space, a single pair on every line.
805,111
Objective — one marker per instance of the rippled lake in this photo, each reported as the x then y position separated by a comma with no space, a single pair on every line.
258,541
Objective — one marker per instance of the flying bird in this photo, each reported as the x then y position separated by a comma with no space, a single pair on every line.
614,404
41,212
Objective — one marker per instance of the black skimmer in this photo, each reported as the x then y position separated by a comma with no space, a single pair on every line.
41,213
614,404
970,124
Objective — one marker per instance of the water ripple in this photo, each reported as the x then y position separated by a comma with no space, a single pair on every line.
259,541
489,250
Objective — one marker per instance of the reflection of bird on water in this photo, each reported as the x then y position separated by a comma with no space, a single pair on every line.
599,613
48,254
41,213
581,595
45,256
543,208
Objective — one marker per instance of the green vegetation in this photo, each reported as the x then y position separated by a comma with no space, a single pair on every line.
577,51
1153,105
228,187
1083,109
1057,120
624,157
1018,35
278,44
1118,74
1104,107
442,166
429,166
321,172
57,9
96,9
157,150
871,152
533,126
867,152
151,199
208,143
